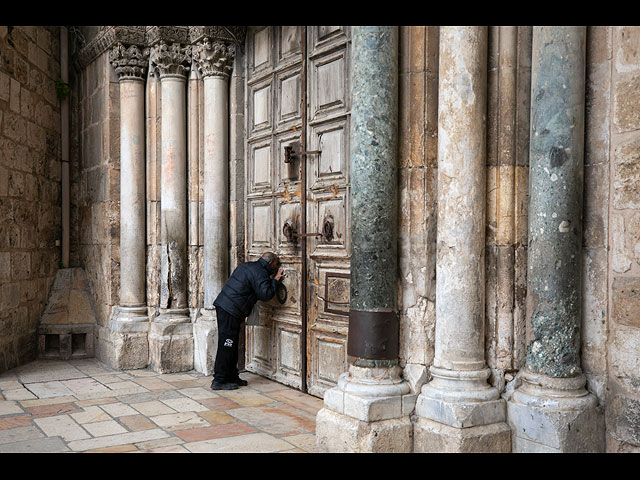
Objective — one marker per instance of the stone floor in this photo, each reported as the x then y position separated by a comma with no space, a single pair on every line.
85,406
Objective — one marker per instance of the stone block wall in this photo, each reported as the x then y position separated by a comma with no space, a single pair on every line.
417,162
30,170
95,184
623,149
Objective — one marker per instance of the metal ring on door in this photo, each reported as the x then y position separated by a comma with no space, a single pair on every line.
281,293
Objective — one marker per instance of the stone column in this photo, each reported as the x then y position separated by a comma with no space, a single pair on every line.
130,322
458,410
214,60
552,411
171,338
369,409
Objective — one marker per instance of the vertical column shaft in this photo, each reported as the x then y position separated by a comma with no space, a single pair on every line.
373,320
461,199
555,200
132,194
173,209
216,230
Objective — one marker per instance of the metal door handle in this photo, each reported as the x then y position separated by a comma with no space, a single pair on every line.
289,153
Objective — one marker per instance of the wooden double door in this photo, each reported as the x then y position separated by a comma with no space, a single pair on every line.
297,194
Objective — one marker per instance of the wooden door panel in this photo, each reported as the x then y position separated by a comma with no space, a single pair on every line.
276,117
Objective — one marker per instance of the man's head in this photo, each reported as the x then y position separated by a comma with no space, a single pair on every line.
272,259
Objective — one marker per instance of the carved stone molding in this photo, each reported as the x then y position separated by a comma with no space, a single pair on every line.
130,63
214,58
170,59
108,37
226,34
88,49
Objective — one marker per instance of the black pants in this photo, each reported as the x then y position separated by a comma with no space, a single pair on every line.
225,368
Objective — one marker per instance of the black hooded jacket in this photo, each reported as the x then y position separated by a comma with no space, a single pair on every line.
249,282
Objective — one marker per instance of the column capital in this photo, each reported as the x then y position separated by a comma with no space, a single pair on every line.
170,59
130,63
214,57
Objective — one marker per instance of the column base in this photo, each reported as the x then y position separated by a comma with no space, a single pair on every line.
368,411
129,331
434,437
205,341
549,414
458,411
171,342
339,433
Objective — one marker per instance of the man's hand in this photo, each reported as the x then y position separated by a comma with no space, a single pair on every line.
279,275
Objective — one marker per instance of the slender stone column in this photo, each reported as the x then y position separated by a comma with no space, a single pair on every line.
171,339
369,409
458,411
129,325
552,411
214,60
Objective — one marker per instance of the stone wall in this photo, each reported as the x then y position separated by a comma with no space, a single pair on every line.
95,184
417,161
30,169
623,149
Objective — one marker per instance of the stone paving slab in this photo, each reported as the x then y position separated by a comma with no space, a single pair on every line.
82,405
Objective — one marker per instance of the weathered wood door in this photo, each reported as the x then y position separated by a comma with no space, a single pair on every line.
298,97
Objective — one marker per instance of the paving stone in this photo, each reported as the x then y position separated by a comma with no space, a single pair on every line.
115,449
101,429
19,434
246,397
113,440
85,386
90,415
135,423
118,409
161,442
148,396
198,393
217,431
62,426
252,443
184,405
52,410
18,394
276,421
176,421
215,417
15,421
152,408
44,445
49,389
9,407
221,403
10,385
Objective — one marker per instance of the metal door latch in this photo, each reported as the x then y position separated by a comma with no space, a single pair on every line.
289,153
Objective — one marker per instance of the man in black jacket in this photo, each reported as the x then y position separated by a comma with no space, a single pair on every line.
249,282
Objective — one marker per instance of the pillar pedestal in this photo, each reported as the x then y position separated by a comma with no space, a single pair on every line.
368,411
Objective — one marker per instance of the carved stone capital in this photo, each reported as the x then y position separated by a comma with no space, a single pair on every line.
214,58
130,63
170,59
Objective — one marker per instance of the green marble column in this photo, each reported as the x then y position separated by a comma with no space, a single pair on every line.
373,323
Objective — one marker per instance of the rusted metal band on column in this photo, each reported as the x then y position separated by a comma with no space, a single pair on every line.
373,335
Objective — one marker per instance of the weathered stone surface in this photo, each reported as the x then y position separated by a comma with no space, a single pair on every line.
337,433
435,437
626,180
626,301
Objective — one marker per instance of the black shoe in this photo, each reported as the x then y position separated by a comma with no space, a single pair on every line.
223,386
240,382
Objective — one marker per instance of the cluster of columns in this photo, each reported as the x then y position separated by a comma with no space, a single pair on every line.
166,341
458,410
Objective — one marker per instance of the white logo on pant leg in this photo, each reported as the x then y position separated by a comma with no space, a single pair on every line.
228,342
